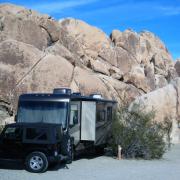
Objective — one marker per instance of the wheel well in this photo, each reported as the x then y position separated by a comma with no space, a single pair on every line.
36,150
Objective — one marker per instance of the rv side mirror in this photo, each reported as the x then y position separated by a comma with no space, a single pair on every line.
15,118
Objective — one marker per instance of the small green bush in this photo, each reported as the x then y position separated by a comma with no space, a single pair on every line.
138,134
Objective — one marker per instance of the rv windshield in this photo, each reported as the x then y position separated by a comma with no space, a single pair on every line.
43,111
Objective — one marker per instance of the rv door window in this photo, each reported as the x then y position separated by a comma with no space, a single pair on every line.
101,115
74,115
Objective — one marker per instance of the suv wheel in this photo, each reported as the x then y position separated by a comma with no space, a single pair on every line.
36,162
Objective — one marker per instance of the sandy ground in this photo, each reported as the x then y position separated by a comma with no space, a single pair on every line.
103,168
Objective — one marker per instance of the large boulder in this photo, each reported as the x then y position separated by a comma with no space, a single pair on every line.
121,92
89,83
137,77
50,72
16,60
99,66
38,54
58,49
127,40
5,111
81,38
165,102
26,69
27,26
177,66
25,31
145,48
160,81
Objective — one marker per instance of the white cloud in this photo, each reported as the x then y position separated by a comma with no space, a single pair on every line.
54,7
141,10
170,10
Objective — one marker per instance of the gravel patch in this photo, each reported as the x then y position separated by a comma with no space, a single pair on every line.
105,168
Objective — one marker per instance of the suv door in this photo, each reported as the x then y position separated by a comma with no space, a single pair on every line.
12,142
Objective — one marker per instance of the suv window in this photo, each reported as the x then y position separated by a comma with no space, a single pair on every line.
13,133
36,134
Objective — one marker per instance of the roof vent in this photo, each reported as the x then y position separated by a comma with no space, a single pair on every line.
96,96
62,91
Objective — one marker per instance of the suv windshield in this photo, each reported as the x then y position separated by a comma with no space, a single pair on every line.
43,111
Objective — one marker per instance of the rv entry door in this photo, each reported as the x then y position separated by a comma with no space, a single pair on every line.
88,121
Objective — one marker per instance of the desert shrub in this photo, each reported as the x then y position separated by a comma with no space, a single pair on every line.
167,125
138,134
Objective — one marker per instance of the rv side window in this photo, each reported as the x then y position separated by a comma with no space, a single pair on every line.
101,115
109,113
74,115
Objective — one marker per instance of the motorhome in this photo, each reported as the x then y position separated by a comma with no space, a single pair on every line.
86,119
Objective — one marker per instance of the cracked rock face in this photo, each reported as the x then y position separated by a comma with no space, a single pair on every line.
166,104
38,54
5,111
177,67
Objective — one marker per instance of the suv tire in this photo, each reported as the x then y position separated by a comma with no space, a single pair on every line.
36,162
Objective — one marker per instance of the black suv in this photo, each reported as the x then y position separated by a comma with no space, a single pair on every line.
37,144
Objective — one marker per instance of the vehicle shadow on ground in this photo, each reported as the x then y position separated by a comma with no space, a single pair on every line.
14,165
63,165
19,165
11,165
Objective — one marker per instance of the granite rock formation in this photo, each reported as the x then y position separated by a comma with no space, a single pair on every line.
39,53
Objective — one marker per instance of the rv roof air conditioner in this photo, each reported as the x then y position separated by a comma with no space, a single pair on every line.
96,96
77,93
62,91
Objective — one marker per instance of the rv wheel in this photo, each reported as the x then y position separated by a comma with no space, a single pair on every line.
67,148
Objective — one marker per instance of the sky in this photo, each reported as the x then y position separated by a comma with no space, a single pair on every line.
161,17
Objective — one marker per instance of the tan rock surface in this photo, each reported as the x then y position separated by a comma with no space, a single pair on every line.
16,60
99,66
26,31
165,102
88,83
38,54
81,38
177,66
